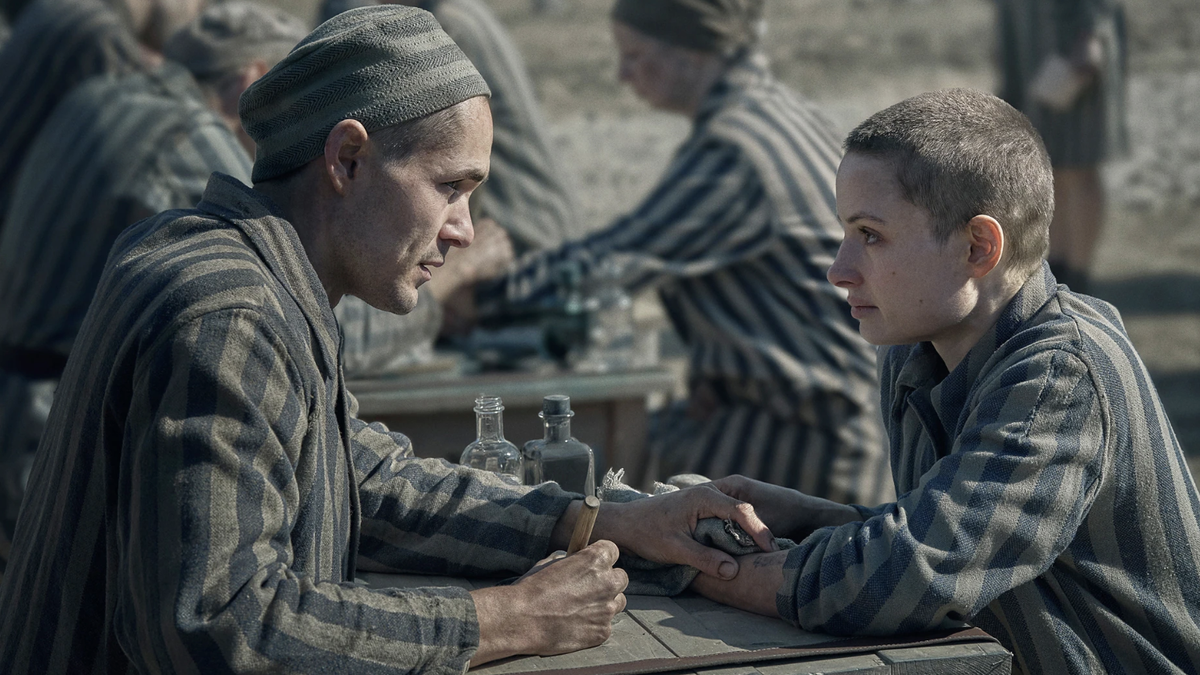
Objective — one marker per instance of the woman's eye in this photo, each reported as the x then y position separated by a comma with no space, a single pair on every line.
869,237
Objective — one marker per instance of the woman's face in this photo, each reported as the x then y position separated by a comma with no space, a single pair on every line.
660,74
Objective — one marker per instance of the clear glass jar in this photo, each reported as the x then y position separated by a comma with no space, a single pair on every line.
557,456
490,451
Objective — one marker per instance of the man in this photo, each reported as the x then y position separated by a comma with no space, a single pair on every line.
56,45
1045,497
204,493
118,149
527,196
527,192
736,239
1062,63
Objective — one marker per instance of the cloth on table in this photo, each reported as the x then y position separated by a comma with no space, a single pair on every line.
652,578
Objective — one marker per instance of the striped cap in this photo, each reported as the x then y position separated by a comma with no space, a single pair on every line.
379,65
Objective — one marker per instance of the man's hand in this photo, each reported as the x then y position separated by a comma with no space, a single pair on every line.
788,512
562,605
660,528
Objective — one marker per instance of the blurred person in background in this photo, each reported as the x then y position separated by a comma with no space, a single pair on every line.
57,44
736,238
1063,64
116,150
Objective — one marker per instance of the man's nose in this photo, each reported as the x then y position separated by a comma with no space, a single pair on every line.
459,230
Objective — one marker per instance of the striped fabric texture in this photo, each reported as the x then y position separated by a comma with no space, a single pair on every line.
527,191
115,150
737,238
1030,31
205,492
55,45
1044,498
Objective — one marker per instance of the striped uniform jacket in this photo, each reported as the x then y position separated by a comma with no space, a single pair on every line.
737,238
115,150
55,45
1045,498
526,192
1094,129
204,491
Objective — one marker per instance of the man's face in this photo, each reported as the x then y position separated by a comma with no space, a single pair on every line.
656,72
407,215
904,285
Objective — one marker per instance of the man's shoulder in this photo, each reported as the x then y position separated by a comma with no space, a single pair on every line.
187,262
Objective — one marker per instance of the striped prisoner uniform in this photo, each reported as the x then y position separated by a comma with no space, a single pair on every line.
115,150
1045,499
1094,129
737,238
54,46
526,192
204,492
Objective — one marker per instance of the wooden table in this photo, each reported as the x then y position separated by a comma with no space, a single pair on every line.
657,633
436,410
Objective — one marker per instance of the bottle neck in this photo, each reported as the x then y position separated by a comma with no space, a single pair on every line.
489,426
558,427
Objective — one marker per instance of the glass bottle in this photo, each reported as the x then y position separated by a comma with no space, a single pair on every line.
490,451
558,456
612,333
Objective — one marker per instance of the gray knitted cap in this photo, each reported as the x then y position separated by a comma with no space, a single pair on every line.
379,65
229,36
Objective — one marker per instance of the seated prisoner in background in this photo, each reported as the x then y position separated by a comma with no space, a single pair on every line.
204,493
116,150
528,194
1044,496
57,44
736,239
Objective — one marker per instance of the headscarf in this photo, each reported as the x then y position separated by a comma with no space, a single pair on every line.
720,26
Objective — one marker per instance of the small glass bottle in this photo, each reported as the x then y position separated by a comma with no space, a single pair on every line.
490,451
558,456
612,335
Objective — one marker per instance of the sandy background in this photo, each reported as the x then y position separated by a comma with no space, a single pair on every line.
857,56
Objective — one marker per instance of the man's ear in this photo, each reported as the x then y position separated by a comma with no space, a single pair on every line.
345,153
986,239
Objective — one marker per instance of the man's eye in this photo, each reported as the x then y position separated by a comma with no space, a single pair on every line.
868,236
453,185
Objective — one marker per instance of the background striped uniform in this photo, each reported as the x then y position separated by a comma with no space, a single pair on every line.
204,492
116,150
1045,498
55,45
737,238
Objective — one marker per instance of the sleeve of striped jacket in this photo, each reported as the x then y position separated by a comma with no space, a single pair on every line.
991,515
708,212
204,582
433,517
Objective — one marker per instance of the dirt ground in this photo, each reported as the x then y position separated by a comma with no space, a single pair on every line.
857,56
